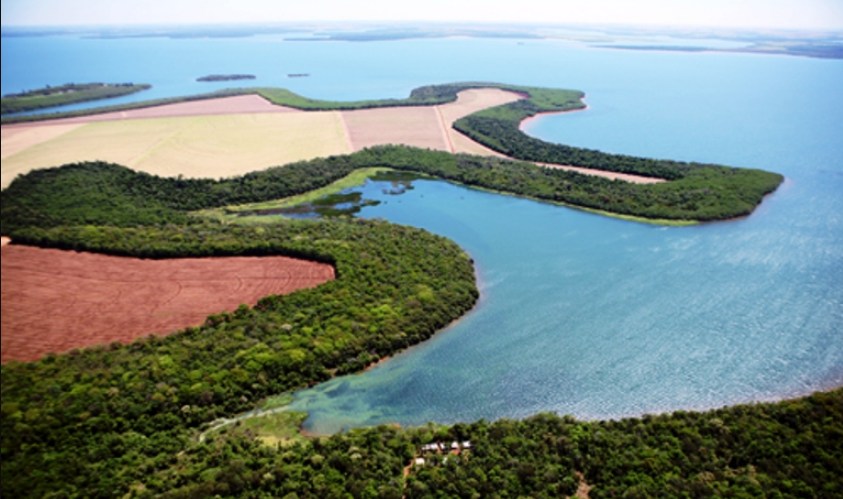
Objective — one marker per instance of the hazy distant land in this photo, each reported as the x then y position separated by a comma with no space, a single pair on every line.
226,77
820,44
807,49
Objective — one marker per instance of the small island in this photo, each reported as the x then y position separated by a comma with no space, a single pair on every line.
69,93
230,77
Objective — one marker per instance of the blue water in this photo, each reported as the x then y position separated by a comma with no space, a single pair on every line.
580,314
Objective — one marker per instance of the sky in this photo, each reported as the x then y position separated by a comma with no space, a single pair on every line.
777,14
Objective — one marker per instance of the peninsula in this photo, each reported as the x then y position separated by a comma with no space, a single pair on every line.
69,93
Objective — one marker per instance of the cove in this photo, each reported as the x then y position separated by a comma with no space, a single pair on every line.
595,317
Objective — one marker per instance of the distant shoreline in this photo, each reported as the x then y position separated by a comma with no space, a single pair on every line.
824,43
813,50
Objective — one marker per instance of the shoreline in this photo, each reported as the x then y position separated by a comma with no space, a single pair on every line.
213,106
480,300
773,399
783,396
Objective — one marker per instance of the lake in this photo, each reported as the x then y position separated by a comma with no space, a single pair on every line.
580,314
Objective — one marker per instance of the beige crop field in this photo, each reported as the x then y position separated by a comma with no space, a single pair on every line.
16,140
193,146
412,126
424,126
234,135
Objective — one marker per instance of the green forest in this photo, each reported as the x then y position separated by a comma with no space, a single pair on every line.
69,93
124,420
226,77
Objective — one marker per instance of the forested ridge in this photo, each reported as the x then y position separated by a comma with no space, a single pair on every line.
103,193
785,449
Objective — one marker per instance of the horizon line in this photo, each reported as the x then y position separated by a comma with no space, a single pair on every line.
513,24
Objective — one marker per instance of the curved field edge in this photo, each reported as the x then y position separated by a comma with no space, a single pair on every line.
428,95
423,96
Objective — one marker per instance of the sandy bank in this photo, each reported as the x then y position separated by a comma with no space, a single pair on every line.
626,177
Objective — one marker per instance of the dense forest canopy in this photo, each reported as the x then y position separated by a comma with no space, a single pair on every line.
395,287
135,410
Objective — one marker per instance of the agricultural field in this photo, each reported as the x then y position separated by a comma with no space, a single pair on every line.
424,126
193,146
97,299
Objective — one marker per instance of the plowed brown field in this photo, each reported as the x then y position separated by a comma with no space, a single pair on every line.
54,301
